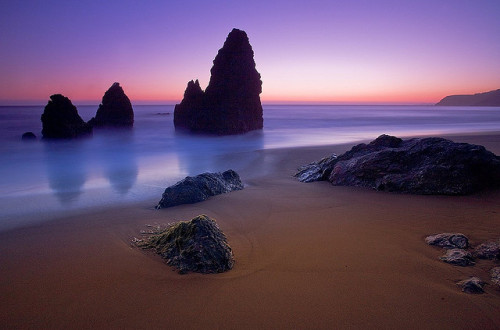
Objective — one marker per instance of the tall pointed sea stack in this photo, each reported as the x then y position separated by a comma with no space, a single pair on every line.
231,102
60,120
115,109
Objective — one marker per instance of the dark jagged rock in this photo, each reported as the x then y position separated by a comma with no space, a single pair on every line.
417,166
489,99
448,240
231,102
28,136
472,285
316,171
60,120
488,250
495,276
458,257
193,246
199,188
115,109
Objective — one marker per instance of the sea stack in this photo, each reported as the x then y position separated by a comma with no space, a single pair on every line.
60,120
231,102
115,109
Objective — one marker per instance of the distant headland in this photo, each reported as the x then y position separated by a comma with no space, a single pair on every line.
487,99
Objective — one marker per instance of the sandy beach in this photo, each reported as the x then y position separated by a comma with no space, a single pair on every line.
307,256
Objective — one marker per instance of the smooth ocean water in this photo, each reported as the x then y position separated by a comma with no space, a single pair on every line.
40,179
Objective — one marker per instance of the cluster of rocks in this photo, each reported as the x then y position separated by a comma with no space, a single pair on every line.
199,188
197,246
231,102
416,166
456,245
60,119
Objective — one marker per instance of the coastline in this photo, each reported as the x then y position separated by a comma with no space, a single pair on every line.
307,255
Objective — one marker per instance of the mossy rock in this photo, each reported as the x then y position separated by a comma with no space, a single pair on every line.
196,246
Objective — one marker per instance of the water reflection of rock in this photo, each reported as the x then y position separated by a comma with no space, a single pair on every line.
205,153
118,158
66,168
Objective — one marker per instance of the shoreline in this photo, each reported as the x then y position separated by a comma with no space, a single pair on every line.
307,255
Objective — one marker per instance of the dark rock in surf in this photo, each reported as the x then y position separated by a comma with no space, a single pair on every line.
193,246
417,166
60,120
472,285
115,109
28,136
458,257
199,188
448,240
231,102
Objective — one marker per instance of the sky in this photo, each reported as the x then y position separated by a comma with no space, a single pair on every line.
357,51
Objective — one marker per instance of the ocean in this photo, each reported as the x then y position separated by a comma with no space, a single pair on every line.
45,179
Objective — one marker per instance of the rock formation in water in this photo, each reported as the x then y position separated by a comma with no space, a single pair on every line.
231,102
193,246
418,166
488,99
115,109
199,188
28,136
60,120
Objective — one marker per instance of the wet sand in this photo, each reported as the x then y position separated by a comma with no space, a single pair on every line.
307,256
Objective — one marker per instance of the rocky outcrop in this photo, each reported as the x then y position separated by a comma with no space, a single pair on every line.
60,120
458,257
448,240
495,276
28,136
417,166
193,246
472,285
488,250
489,99
316,171
199,188
231,102
115,109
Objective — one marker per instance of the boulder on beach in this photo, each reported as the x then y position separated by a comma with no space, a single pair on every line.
472,285
231,102
28,136
495,276
448,240
487,250
60,120
418,166
196,246
458,257
199,188
115,109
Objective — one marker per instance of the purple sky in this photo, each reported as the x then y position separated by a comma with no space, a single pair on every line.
321,51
